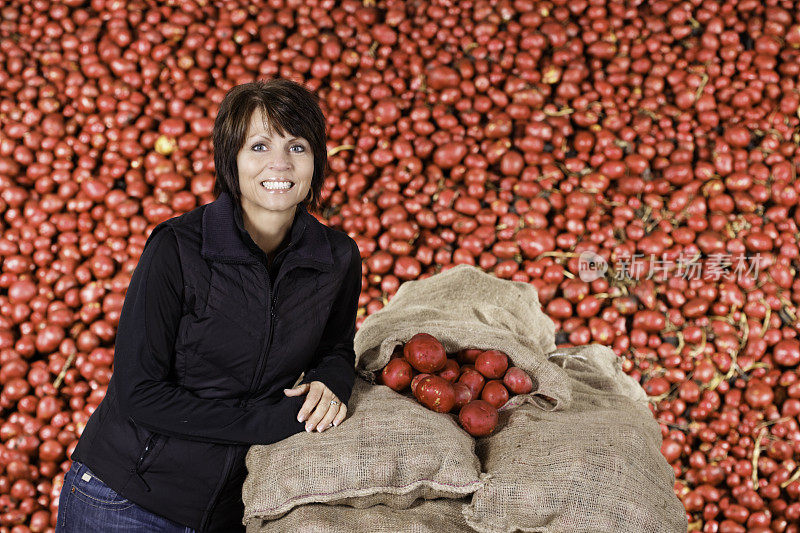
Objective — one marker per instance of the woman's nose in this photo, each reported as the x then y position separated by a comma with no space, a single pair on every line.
278,160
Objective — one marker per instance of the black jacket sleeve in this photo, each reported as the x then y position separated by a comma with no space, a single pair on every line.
144,357
335,357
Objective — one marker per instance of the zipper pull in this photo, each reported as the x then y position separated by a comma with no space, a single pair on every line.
147,447
144,452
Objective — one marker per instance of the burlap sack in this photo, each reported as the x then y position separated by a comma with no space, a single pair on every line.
587,461
426,516
598,367
464,307
389,450
594,467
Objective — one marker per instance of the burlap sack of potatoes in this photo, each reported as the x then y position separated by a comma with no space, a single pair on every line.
464,307
593,467
426,516
389,450
588,460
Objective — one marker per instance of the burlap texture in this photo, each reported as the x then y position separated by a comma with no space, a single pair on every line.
599,368
464,307
594,467
389,450
426,516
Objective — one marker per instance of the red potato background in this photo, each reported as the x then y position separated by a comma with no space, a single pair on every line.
512,135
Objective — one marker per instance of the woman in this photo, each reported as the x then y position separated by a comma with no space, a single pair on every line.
229,304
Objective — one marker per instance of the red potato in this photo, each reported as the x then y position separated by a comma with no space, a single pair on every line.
397,374
468,355
425,353
478,418
492,364
495,393
416,380
474,380
463,395
451,371
436,393
517,381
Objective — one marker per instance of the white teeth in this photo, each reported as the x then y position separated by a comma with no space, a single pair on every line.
276,184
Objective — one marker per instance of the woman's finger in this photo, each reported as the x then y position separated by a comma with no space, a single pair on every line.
321,410
297,391
315,393
327,420
341,415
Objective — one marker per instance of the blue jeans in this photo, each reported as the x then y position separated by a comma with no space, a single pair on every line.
87,504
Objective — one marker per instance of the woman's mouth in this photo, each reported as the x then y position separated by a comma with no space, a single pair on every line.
278,186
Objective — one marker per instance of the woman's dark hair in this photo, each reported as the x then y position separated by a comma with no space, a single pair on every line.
288,107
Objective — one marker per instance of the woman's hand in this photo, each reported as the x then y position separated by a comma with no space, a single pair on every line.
324,407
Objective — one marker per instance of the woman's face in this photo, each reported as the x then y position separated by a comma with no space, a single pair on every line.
267,163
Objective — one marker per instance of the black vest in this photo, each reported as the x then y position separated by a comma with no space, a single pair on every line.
242,339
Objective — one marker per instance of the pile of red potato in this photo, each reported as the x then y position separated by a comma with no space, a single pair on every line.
474,383
510,134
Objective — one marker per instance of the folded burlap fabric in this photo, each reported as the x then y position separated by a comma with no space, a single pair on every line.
464,307
442,515
390,450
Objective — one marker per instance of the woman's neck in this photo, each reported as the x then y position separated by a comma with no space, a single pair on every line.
269,230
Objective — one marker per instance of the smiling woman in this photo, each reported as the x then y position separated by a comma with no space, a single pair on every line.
247,117
275,174
283,141
229,305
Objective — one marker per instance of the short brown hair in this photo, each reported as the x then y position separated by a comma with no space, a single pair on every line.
289,107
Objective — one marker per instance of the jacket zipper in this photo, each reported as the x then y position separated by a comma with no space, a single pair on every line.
147,447
214,498
243,403
262,363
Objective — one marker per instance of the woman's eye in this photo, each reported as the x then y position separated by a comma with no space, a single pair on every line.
260,147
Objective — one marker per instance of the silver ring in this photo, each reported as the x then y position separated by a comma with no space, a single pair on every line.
334,402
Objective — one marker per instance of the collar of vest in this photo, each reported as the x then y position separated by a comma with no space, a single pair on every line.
222,241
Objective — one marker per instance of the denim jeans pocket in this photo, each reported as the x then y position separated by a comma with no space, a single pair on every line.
90,490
